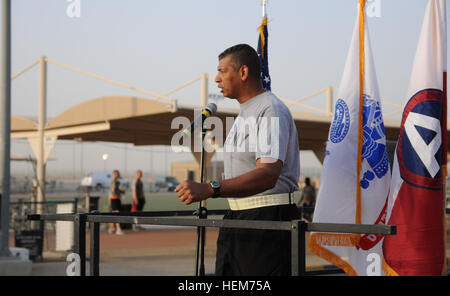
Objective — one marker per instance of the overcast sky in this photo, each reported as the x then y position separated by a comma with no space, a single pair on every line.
159,45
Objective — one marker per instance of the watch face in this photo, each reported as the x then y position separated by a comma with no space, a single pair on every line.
215,184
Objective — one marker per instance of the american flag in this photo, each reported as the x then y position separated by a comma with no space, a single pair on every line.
262,53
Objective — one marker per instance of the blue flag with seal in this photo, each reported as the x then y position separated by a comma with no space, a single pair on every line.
262,53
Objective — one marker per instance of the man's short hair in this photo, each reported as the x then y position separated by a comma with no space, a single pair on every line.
243,54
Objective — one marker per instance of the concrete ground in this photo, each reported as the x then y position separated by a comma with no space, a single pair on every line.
150,252
154,251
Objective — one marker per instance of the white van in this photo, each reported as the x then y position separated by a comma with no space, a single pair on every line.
100,180
166,183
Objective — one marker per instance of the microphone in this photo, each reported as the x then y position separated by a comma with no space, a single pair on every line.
209,110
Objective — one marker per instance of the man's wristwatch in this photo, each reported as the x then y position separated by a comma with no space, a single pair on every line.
216,187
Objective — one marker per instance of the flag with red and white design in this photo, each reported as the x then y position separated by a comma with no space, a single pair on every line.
417,191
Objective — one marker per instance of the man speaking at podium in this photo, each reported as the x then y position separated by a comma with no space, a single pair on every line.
262,167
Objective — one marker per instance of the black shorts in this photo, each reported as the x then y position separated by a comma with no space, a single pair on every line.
249,252
140,204
116,205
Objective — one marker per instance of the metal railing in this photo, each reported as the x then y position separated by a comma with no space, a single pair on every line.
37,237
19,210
297,228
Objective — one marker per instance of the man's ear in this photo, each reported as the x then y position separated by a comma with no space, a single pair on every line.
243,73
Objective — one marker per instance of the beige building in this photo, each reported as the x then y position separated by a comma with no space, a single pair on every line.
191,171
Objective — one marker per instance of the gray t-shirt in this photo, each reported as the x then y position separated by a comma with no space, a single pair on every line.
263,128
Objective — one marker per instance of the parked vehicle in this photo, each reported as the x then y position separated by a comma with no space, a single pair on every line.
166,183
101,180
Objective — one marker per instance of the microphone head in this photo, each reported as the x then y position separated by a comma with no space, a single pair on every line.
212,108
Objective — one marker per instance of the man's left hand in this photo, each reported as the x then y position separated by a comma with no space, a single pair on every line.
189,192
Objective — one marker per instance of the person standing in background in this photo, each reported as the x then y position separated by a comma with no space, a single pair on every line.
115,201
138,201
308,200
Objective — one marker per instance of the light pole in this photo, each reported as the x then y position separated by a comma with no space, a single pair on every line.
105,157
125,160
80,141
5,130
42,117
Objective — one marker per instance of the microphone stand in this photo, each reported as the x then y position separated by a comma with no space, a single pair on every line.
202,214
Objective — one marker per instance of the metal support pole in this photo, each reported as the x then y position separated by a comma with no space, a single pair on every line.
94,248
5,131
87,201
298,254
264,8
204,90
202,214
80,241
202,211
330,100
204,102
40,161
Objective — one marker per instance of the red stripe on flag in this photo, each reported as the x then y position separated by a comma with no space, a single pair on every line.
416,249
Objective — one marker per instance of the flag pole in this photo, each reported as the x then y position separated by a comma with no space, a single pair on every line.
444,165
262,48
264,8
362,4
444,132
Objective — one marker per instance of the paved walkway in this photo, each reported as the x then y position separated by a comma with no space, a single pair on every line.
149,252
154,251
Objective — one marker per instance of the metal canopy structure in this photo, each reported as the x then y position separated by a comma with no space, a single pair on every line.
148,121
142,121
21,124
124,119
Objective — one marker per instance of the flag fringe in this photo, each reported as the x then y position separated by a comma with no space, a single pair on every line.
261,34
335,239
389,271
334,259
